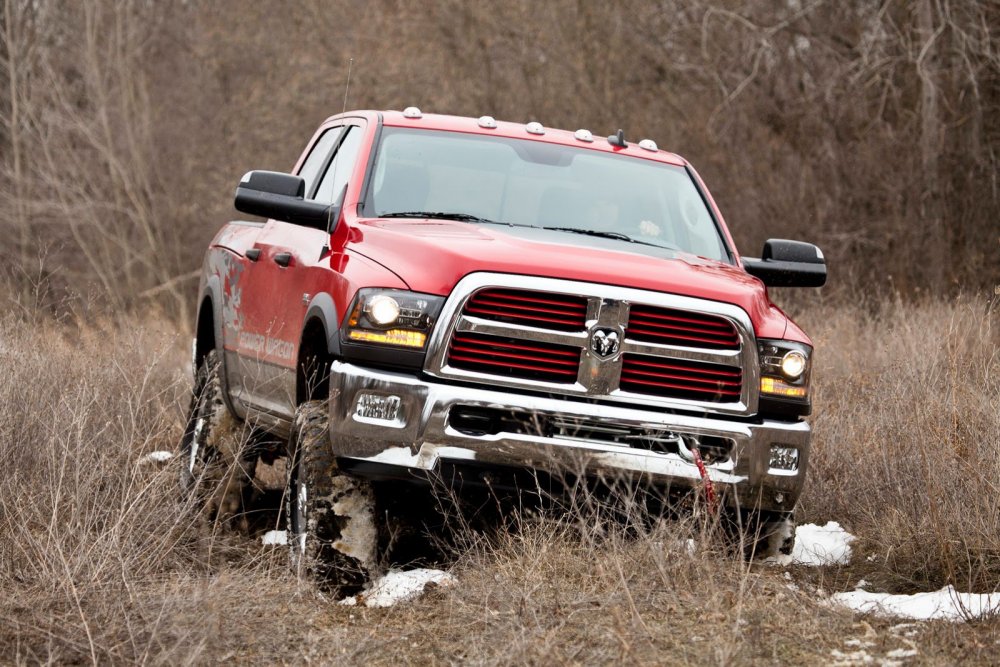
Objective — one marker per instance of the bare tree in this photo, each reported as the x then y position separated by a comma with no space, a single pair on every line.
871,128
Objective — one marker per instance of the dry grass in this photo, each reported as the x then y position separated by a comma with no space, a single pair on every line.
907,452
100,562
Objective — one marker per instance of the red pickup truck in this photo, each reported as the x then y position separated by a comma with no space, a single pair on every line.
432,294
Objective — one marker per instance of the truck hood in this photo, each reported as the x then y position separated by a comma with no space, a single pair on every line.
431,256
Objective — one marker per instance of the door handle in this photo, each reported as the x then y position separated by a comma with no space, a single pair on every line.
252,254
283,258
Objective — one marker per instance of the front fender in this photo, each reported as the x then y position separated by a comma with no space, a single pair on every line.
220,286
323,309
212,291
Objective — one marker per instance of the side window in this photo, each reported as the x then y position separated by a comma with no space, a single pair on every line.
318,156
340,167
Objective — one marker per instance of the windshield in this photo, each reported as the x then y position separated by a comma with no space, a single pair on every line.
524,183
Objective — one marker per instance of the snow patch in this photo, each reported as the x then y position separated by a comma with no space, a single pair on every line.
157,457
894,658
399,586
358,538
945,604
400,456
275,537
851,658
899,653
819,545
905,630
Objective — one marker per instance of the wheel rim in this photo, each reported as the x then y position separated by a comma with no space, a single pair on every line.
301,497
297,509
195,450
195,446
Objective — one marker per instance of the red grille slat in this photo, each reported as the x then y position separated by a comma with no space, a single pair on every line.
657,326
525,345
680,327
527,360
688,388
532,297
670,316
680,378
464,350
563,312
554,308
632,373
646,333
666,365
476,310
503,363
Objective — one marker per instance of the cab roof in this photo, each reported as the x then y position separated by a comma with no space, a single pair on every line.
515,131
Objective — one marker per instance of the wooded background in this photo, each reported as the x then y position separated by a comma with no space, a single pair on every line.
869,128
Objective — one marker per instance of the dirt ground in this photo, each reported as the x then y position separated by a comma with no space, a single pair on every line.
101,562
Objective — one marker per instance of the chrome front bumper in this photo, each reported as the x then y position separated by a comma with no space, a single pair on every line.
413,432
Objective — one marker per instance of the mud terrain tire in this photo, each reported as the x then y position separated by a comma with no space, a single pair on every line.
332,528
215,466
768,535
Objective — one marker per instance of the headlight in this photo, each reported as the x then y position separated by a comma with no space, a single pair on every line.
392,317
793,364
382,310
784,369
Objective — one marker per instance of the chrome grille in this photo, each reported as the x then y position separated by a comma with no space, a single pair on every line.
674,351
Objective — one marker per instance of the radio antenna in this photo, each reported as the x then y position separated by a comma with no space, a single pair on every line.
336,163
347,88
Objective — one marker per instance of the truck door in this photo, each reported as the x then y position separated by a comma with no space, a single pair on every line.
288,270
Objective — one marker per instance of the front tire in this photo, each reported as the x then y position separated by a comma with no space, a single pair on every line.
768,535
332,521
217,466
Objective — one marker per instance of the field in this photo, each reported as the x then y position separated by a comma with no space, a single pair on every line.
871,129
100,562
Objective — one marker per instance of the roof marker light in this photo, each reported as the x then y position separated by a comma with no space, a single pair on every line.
534,128
489,122
412,112
648,144
583,135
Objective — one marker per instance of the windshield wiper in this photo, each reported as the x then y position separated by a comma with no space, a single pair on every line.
618,236
441,215
468,217
446,215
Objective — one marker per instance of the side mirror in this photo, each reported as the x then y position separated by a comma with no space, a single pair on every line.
271,194
788,264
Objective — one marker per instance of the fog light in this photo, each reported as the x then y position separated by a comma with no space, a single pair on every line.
377,407
401,337
778,387
784,458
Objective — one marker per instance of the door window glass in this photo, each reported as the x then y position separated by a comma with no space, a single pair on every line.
341,167
318,156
